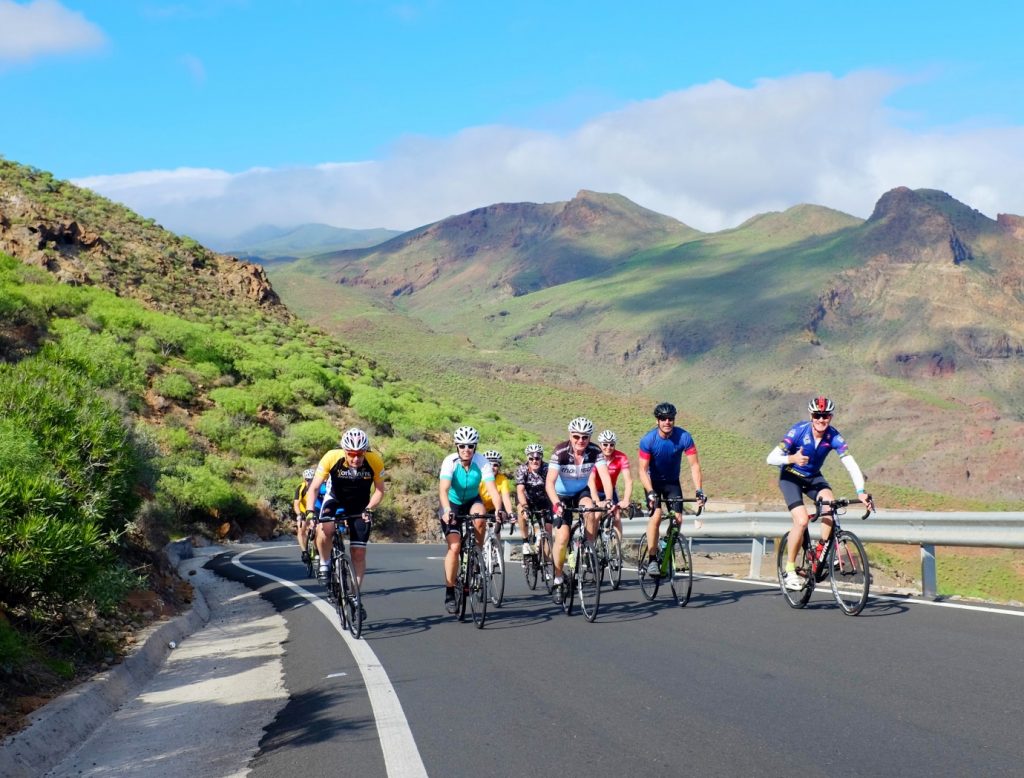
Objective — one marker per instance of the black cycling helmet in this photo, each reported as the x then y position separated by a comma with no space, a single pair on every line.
665,409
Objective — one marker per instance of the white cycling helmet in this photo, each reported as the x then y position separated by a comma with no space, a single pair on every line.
581,426
308,473
534,448
821,405
607,437
493,456
467,436
355,440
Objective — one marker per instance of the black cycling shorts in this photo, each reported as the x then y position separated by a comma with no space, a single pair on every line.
794,487
461,511
352,516
668,490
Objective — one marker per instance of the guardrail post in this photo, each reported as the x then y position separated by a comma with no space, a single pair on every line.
929,585
756,552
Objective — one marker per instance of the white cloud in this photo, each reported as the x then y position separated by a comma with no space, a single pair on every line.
44,27
711,156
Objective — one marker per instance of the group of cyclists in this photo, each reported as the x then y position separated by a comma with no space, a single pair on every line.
580,474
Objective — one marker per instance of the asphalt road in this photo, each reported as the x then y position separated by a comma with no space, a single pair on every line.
736,683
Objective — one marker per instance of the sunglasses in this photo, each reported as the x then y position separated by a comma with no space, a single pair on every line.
354,454
820,415
666,418
581,437
467,445
606,445
536,459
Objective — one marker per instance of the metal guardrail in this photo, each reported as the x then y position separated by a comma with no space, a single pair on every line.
920,528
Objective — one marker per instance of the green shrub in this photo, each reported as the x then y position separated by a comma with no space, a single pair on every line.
307,438
175,386
236,400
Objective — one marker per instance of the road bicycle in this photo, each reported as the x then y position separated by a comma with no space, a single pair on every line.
312,554
539,565
582,569
675,566
609,549
342,585
842,559
494,562
471,576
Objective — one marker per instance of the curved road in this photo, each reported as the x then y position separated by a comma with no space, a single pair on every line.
736,683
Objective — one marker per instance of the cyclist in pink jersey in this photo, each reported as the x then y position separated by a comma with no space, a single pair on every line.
618,462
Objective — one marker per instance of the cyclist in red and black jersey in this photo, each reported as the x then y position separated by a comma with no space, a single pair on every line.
618,463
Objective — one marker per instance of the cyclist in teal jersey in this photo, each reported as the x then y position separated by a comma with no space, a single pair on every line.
459,494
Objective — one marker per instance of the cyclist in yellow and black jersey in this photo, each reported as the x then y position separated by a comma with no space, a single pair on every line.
356,488
502,512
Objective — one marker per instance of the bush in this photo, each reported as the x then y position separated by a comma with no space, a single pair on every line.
175,386
309,438
237,400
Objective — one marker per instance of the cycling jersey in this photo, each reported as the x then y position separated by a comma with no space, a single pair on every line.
501,481
465,482
534,484
616,465
572,478
664,456
801,438
351,484
300,494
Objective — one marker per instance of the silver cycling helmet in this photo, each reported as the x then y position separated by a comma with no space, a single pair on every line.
607,437
355,440
821,405
308,473
467,436
492,456
581,426
534,448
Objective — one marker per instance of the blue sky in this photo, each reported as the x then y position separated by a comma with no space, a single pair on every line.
216,115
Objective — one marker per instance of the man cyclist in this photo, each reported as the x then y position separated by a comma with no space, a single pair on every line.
531,493
661,457
618,463
459,492
568,486
799,457
356,487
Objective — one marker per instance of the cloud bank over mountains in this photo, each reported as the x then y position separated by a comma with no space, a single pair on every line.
711,155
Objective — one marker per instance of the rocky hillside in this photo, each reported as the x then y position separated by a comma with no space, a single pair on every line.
82,238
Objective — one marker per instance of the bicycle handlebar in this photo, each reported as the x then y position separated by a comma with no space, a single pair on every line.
838,505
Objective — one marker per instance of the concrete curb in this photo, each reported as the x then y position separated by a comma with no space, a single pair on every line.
66,721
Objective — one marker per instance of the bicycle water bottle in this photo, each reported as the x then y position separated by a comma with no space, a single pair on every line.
570,557
661,547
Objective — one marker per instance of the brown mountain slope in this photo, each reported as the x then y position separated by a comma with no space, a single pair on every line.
514,247
83,238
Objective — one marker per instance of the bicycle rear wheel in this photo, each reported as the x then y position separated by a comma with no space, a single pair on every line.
547,563
476,576
614,559
588,580
797,598
348,597
681,571
648,584
495,573
850,573
531,567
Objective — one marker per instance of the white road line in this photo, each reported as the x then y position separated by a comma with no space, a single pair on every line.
401,756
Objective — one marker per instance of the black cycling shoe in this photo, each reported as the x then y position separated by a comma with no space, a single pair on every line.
449,603
305,557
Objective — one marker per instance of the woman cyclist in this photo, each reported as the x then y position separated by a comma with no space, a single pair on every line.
531,492
618,463
459,492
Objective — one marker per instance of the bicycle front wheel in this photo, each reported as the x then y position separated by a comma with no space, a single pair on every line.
476,577
681,572
495,573
588,580
648,583
460,588
547,563
615,560
850,574
797,598
348,597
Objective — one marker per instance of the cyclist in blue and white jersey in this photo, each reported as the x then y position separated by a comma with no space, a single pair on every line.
799,457
459,493
569,469
661,455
